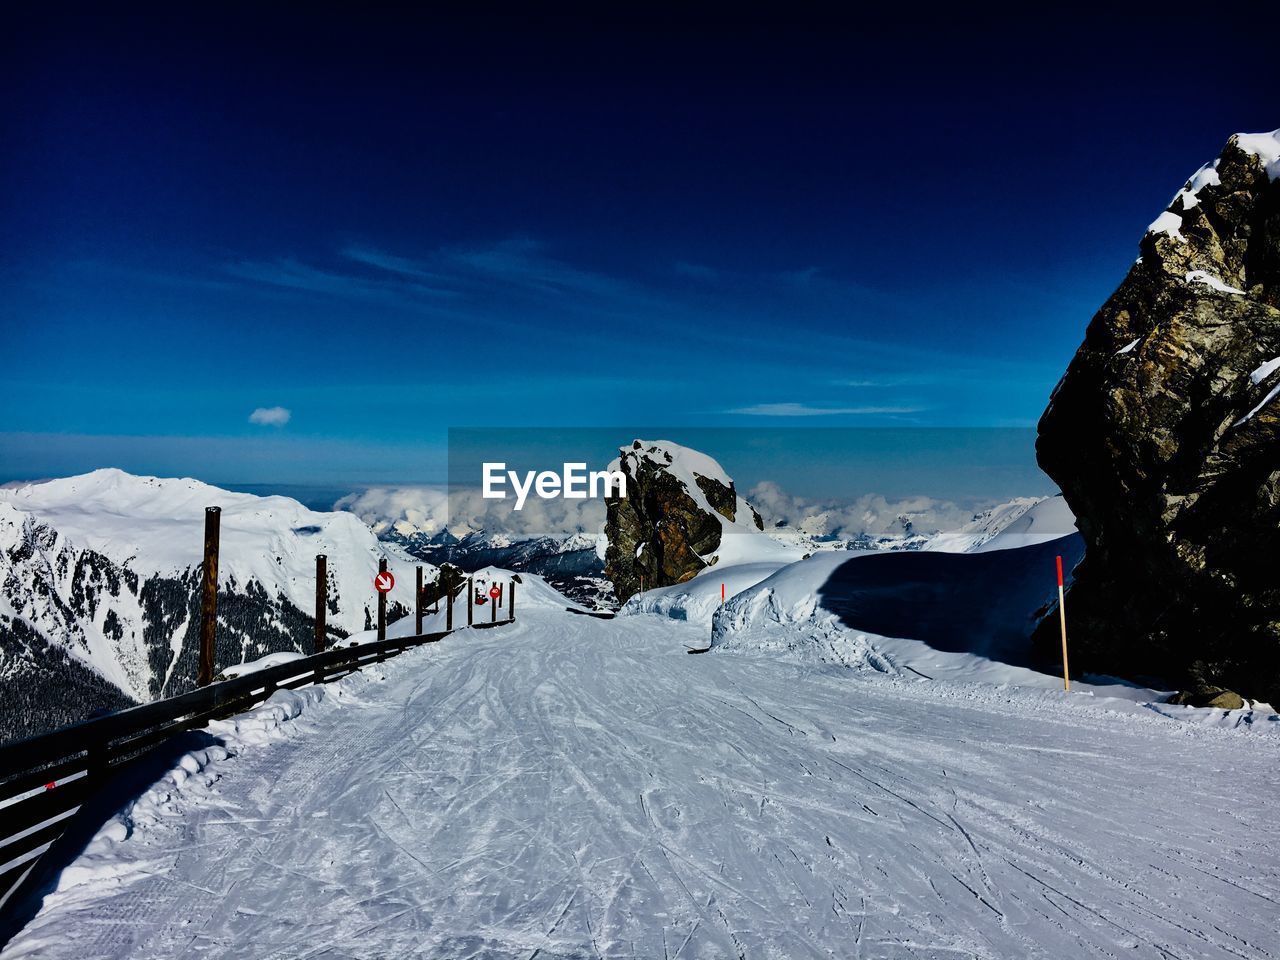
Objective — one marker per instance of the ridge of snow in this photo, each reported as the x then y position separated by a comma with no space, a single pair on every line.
1128,347
1258,375
1201,276
1275,391
1265,370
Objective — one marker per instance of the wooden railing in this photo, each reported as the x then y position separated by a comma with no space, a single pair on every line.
46,779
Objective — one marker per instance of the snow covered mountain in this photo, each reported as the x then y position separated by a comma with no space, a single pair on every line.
1019,523
98,588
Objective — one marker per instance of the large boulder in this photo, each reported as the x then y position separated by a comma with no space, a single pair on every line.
1164,436
671,522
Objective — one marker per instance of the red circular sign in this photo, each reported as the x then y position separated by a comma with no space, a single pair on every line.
384,581
495,592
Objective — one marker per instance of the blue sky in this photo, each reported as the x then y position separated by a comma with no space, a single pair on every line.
388,226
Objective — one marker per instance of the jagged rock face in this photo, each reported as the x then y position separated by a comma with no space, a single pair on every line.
1164,436
658,533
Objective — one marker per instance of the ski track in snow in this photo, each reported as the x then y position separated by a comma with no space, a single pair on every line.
575,788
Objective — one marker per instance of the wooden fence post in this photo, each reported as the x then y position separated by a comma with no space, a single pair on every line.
322,600
418,604
448,611
382,605
471,601
511,608
209,596
493,612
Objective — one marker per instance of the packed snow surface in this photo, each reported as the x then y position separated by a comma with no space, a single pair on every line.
570,787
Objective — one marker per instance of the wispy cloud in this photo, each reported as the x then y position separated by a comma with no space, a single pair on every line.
696,271
270,416
292,274
886,381
810,410
513,270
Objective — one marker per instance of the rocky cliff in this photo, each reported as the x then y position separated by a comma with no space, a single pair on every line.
1164,436
673,521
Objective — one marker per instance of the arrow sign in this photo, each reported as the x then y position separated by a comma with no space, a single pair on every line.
384,581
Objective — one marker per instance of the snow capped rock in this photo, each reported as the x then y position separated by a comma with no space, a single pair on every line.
1168,456
1264,146
681,515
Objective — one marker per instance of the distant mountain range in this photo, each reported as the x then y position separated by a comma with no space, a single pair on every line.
99,579
98,588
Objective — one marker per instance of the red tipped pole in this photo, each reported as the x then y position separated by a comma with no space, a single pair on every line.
1062,617
722,594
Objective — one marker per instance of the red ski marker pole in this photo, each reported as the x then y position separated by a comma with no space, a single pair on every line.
1062,616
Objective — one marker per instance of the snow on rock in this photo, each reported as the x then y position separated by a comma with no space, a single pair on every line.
1209,280
1264,146
1275,392
1128,347
1256,378
1168,222
1264,371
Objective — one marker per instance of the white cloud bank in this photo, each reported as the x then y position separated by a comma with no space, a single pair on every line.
872,514
430,509
270,416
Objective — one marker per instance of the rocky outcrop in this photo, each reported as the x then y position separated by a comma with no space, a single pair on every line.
671,520
1164,436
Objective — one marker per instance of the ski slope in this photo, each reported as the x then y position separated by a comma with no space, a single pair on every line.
570,787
